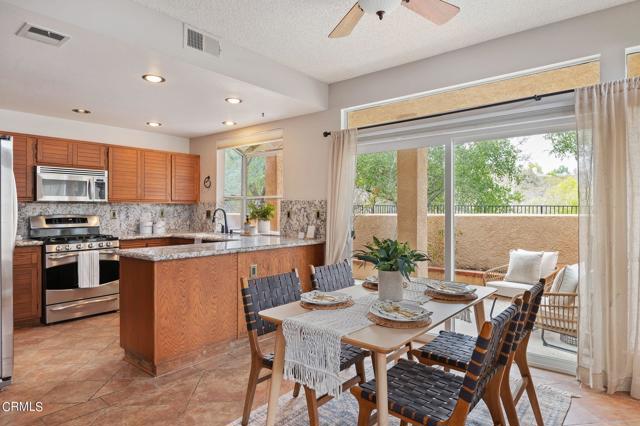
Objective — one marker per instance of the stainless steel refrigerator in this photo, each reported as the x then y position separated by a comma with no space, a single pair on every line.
8,228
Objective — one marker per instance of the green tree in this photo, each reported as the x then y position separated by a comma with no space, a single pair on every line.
564,144
486,173
377,176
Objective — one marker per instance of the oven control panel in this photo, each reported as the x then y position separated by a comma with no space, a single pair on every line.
95,245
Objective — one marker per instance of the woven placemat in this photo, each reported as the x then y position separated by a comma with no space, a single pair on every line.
370,285
450,298
314,307
397,324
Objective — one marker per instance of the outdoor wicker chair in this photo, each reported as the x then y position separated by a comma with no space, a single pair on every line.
263,293
559,314
425,395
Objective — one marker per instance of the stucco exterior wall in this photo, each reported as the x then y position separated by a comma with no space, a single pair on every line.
484,241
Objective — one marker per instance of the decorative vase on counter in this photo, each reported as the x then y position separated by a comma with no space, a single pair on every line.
264,226
390,285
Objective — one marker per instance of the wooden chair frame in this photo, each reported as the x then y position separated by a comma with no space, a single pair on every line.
491,395
257,365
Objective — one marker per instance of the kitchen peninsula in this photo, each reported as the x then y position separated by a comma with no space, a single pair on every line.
179,302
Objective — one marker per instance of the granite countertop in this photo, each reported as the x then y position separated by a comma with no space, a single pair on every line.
237,244
28,243
215,236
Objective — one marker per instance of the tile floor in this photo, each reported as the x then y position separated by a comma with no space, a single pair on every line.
76,370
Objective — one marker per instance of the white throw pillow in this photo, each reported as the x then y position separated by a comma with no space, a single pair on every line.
549,261
524,266
566,280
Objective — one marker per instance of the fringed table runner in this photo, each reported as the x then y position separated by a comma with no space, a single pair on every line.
313,342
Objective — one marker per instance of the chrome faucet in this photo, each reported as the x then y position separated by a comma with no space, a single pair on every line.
225,225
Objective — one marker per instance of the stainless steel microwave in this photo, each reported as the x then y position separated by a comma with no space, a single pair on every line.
68,184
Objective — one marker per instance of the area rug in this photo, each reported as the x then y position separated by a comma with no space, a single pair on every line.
554,404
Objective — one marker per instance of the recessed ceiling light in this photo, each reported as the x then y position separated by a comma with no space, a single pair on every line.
152,78
81,111
234,101
229,123
153,124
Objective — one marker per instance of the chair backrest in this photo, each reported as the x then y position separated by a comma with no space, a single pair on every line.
268,292
332,277
534,305
487,355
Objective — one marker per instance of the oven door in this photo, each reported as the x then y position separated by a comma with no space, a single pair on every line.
63,187
61,277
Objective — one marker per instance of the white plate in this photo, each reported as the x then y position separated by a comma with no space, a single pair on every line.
446,287
316,297
404,311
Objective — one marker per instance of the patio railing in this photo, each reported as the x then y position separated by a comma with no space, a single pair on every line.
524,209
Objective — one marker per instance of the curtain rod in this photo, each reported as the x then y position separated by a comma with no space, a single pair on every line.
513,101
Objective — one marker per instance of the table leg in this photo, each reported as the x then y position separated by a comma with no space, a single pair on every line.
381,389
276,377
478,310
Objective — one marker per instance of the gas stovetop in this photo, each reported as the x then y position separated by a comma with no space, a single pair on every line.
62,233
80,242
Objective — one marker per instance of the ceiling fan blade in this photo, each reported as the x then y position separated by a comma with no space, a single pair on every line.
348,23
437,11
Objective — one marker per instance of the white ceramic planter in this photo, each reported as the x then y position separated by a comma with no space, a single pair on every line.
390,285
264,226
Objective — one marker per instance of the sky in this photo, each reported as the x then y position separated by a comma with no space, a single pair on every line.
538,149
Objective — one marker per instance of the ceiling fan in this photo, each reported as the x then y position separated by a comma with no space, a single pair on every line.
436,11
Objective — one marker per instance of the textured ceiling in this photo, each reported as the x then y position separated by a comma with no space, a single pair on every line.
294,32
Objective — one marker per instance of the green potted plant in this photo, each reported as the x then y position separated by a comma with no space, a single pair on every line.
262,213
394,261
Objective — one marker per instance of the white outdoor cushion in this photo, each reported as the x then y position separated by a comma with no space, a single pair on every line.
508,289
549,261
566,280
524,266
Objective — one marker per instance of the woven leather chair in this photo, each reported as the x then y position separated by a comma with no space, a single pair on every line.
268,292
454,350
425,395
332,277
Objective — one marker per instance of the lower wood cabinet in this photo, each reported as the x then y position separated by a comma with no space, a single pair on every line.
154,242
27,285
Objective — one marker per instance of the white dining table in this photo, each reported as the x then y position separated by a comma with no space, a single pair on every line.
384,343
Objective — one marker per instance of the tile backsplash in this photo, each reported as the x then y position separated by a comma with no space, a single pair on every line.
298,214
177,217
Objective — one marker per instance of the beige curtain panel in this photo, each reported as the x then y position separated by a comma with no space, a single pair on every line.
608,122
342,170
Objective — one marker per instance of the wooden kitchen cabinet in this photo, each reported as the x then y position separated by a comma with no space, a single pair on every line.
54,152
154,242
156,176
185,178
23,162
125,170
90,155
27,286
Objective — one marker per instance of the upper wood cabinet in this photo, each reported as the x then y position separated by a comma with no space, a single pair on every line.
90,155
156,176
54,152
125,169
23,162
185,178
67,153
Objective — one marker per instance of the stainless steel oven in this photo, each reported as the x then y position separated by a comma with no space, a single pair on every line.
65,239
68,184
64,297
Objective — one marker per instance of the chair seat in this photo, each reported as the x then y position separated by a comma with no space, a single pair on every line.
508,289
424,394
450,349
349,355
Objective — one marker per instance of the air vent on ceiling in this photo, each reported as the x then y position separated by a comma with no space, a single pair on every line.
42,35
201,41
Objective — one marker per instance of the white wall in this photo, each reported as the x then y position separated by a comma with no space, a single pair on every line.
21,122
606,33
